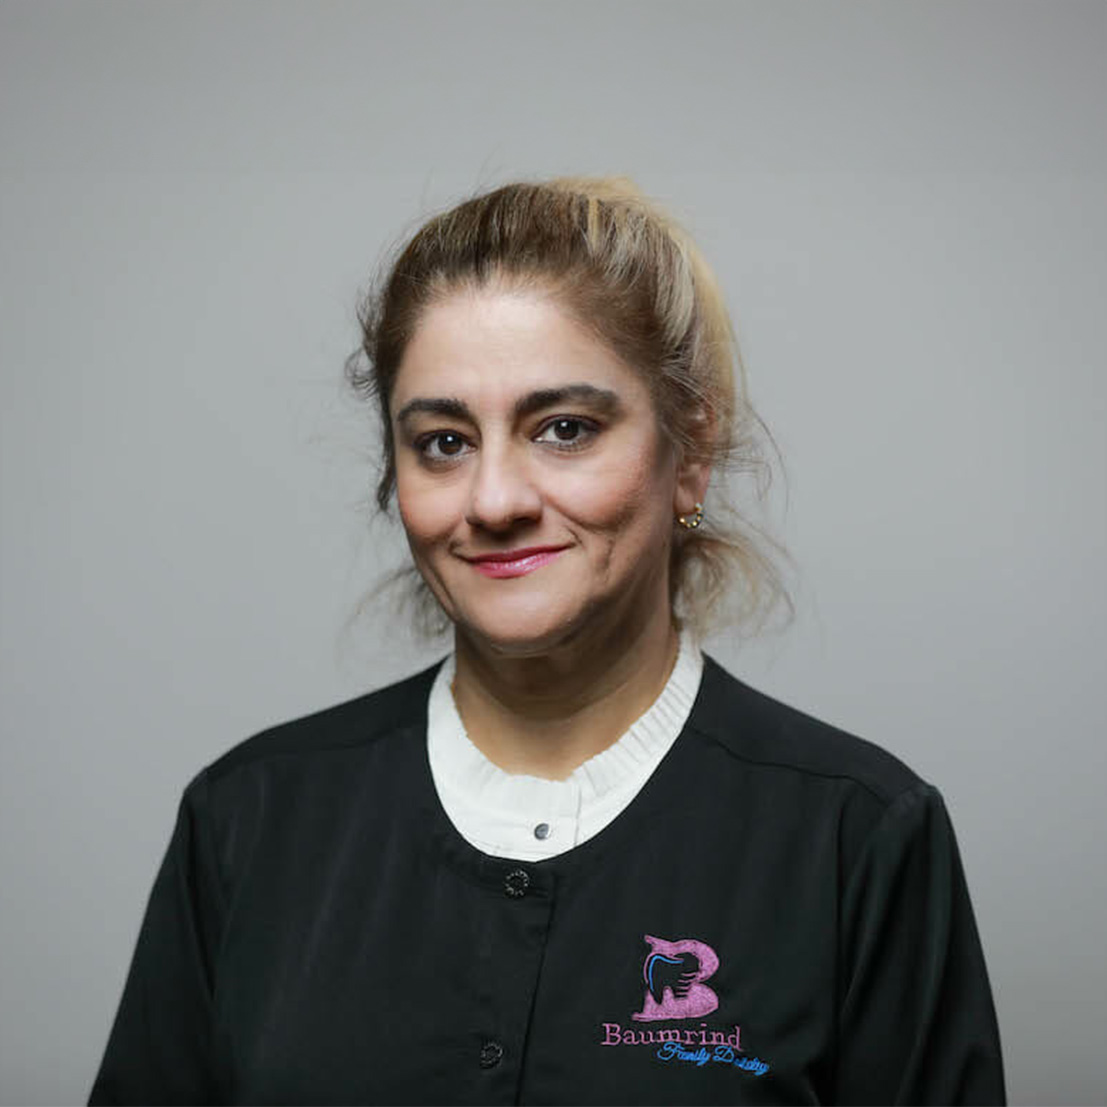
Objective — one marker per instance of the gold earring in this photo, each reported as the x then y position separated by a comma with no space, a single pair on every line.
690,523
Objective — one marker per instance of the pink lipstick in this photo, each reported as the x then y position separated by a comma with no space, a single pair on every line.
515,563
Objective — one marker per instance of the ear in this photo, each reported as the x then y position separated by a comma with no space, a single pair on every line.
691,486
694,466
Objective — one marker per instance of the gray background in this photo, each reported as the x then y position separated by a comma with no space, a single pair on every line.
905,204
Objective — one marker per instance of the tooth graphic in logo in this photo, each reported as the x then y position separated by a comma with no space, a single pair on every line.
674,973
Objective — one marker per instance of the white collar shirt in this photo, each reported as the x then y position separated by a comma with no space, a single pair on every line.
528,818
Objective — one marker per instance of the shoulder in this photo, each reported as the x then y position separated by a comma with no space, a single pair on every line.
357,722
764,733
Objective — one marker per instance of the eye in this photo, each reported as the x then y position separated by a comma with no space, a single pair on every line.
567,432
441,446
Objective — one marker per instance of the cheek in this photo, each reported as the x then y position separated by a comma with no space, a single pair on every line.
627,499
429,510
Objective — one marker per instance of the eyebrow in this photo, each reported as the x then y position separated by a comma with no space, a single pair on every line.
602,400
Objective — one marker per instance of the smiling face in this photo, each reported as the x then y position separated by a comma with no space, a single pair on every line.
536,488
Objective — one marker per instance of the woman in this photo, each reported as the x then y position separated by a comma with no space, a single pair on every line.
577,862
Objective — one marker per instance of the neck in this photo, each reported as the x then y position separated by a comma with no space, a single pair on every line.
544,716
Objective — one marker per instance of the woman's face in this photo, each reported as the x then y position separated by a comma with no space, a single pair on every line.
537,490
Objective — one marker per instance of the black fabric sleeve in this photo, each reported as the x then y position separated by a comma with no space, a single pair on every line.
917,1022
160,1049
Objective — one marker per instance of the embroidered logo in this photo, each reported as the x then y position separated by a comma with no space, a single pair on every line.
674,973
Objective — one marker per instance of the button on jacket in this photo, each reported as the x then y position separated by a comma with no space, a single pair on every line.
779,916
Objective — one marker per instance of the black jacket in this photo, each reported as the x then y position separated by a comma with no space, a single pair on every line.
780,916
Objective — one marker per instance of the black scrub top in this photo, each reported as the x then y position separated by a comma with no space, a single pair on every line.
779,916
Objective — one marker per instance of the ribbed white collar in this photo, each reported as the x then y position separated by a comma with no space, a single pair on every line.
502,814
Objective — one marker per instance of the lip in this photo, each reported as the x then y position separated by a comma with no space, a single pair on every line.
515,563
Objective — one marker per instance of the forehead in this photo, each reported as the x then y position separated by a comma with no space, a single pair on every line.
489,347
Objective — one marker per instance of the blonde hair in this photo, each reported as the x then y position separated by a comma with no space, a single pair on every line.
624,268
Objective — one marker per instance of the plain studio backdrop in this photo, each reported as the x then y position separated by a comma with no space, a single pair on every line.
905,205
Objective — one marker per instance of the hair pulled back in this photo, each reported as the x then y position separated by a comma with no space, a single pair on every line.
625,270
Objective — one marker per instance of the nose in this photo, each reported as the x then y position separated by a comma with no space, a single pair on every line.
502,493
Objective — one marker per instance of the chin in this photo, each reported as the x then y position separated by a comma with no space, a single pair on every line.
522,634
